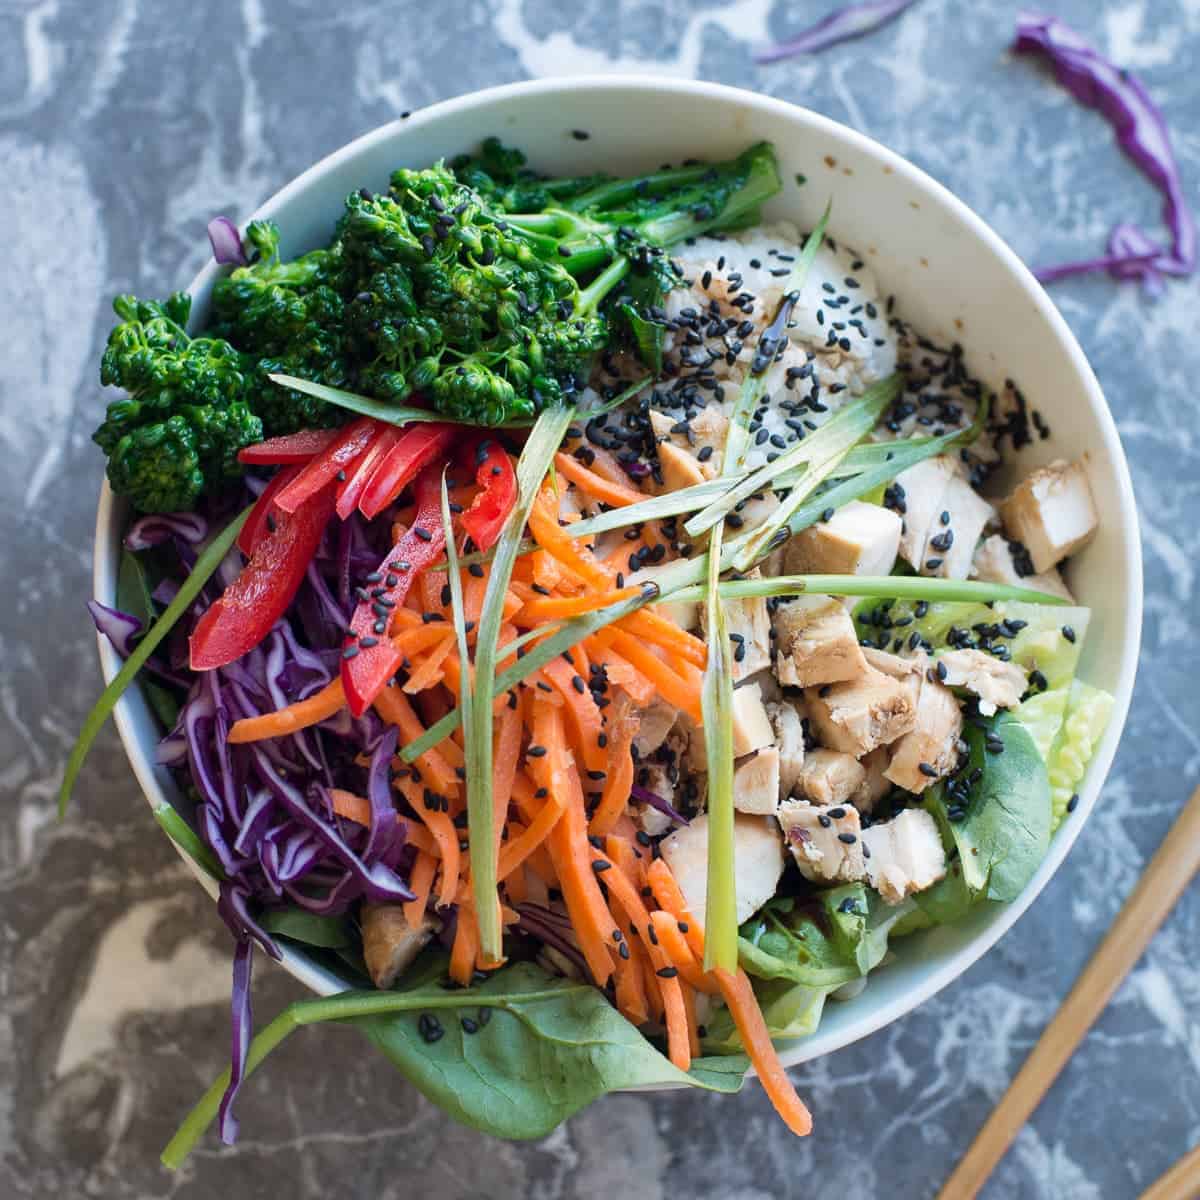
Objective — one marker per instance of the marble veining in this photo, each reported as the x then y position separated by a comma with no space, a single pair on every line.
125,124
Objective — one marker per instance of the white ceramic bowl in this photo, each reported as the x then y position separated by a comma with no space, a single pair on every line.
957,281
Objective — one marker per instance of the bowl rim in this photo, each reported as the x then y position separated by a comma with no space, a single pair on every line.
295,961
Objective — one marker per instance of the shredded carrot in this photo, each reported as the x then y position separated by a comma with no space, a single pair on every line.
546,572
394,707
551,537
689,1010
516,887
432,582
675,943
622,729
620,672
558,608
417,638
615,493
670,686
318,707
516,850
420,880
670,898
353,808
653,628
465,947
428,672
444,834
605,464
506,750
568,844
631,977
587,724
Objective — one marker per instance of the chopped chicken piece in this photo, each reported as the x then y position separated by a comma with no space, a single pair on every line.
787,720
654,777
751,726
876,785
997,684
680,469
930,750
919,492
859,539
768,685
904,855
685,613
390,943
815,642
654,723
686,742
994,563
757,862
826,841
708,430
830,777
866,712
1052,513
956,530
756,782
905,669
749,629
755,511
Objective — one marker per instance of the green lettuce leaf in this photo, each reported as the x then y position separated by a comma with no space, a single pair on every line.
1087,714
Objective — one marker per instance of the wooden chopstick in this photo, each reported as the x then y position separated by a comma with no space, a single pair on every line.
1173,865
1181,1182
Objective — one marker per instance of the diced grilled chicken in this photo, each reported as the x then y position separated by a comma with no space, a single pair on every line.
950,546
751,725
904,855
390,943
856,716
787,721
1052,513
654,723
685,613
876,784
749,629
654,777
680,468
859,539
815,642
757,862
997,684
756,782
928,751
830,777
706,431
918,493
994,563
825,840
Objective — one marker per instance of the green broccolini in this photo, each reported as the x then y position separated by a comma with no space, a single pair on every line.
437,286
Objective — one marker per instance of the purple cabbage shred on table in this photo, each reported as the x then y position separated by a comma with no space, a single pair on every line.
1142,134
853,21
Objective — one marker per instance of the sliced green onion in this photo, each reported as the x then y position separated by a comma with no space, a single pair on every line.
536,457
210,558
186,838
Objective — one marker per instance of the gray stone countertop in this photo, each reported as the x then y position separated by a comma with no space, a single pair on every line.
124,125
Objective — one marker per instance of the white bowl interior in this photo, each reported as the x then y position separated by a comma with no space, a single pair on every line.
952,276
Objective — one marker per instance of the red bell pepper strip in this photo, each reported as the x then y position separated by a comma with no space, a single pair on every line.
339,455
369,659
350,492
291,448
244,614
259,522
416,448
497,495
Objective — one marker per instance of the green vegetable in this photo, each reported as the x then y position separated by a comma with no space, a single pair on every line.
328,933
186,838
546,1048
208,561
178,431
1087,714
536,457
1005,832
133,597
790,1011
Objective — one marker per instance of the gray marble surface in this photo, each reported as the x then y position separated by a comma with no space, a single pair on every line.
124,124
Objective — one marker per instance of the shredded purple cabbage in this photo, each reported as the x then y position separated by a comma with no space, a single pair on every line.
156,528
242,1025
656,801
1141,132
552,928
119,627
226,242
850,22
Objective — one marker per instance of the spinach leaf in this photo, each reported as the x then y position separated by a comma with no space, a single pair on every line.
133,597
541,1049
646,336
330,933
1006,831
790,1010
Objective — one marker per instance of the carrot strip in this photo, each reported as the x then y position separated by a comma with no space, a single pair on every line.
394,707
693,1025
569,849
615,493
429,670
506,750
605,464
420,879
516,850
622,729
557,608
420,637
444,834
466,946
664,633
516,887
353,808
586,721
670,898
550,536
546,573
318,707
669,685
673,941
631,980
621,673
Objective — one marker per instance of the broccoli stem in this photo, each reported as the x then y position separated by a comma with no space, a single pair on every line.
624,191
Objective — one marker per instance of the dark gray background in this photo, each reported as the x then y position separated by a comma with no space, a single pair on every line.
124,125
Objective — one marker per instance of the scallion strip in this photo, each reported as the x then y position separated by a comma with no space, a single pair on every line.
210,558
188,840
536,457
